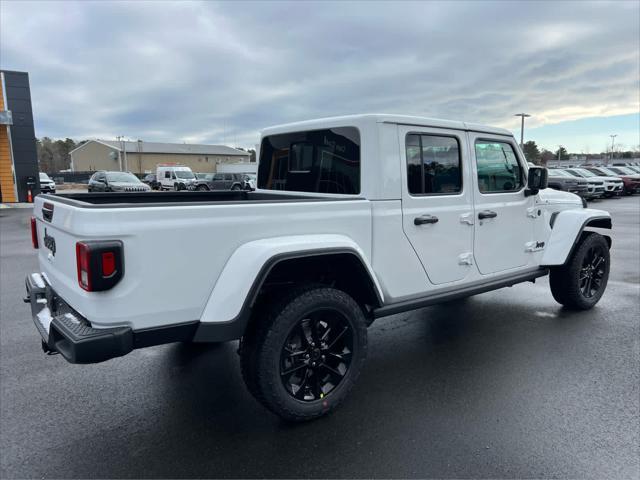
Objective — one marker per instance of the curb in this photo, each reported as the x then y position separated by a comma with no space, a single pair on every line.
16,205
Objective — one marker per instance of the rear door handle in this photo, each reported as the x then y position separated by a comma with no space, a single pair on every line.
421,220
487,214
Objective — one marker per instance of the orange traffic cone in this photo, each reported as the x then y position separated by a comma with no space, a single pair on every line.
29,196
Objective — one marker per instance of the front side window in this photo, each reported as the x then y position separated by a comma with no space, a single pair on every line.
433,164
318,161
498,167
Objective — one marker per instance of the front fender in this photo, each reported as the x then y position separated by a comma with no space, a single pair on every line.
568,225
252,261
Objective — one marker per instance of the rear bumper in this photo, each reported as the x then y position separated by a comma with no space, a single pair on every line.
65,331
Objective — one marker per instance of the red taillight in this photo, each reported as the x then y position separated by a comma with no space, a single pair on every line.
83,260
108,264
100,264
34,232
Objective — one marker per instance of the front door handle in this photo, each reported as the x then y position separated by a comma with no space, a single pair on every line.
487,214
421,220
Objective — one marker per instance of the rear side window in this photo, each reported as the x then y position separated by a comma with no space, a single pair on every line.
319,161
498,167
433,164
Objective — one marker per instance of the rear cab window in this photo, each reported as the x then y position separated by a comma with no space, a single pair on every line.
316,161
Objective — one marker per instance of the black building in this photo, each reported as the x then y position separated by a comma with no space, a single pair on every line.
18,154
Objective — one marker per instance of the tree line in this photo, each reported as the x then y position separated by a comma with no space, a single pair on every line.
542,156
53,155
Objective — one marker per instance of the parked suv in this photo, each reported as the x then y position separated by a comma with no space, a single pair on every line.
152,180
218,181
561,180
596,188
46,184
355,218
116,182
612,185
631,182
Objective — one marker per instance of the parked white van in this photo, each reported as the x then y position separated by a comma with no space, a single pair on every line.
172,176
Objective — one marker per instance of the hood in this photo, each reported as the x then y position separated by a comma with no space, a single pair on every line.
550,196
608,179
127,186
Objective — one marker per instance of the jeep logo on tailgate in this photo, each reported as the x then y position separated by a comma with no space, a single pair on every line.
50,242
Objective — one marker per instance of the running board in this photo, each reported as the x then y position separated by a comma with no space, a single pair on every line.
454,294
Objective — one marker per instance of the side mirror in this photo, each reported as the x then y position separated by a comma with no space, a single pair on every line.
536,180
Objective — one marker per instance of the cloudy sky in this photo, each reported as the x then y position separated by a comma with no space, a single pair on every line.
219,72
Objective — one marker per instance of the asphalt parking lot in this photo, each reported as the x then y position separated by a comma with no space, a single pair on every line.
504,385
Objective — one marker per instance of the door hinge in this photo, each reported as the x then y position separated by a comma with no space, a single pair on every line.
465,258
467,218
533,246
532,212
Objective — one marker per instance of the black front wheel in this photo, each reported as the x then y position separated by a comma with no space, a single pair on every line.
581,281
302,360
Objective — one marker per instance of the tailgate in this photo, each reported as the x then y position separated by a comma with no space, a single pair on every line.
59,227
57,241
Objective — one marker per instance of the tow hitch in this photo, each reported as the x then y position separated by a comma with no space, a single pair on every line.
47,350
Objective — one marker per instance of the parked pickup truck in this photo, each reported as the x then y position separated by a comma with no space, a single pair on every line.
354,218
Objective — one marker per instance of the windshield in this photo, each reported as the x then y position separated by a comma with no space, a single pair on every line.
559,173
608,172
250,177
625,170
123,177
615,170
44,176
585,173
184,174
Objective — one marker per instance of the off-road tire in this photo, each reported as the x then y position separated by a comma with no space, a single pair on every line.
565,280
262,344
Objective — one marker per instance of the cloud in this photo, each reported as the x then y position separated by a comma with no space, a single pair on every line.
214,72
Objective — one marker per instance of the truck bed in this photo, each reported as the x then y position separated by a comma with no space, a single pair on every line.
167,199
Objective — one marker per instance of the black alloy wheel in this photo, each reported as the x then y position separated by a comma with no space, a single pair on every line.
592,271
316,355
582,280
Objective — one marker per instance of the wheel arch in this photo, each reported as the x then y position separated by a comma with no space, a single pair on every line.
258,268
569,227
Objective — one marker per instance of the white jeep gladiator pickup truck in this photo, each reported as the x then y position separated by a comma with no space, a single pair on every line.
354,218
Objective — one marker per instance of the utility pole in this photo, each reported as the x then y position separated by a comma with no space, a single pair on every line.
522,116
119,139
559,151
613,137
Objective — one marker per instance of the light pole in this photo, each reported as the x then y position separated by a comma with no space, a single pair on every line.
612,144
522,116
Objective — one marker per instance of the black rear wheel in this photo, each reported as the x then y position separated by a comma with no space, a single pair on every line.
581,282
302,360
